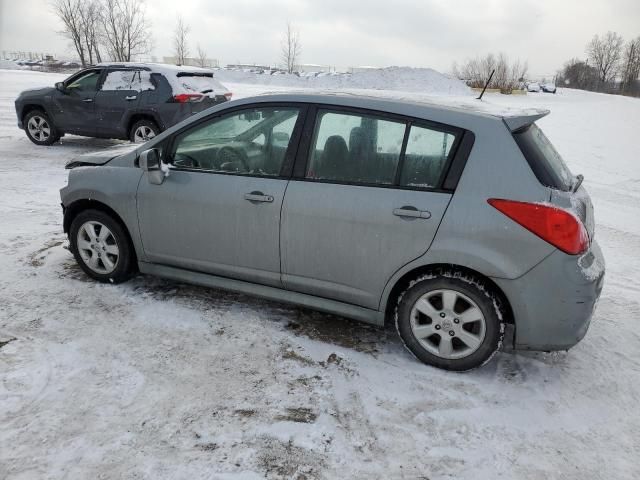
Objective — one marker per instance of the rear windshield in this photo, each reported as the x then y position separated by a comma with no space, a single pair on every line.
196,82
545,161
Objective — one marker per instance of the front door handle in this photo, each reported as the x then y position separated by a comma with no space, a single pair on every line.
131,97
258,197
88,100
411,212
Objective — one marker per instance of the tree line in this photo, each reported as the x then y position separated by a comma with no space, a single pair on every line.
611,66
118,30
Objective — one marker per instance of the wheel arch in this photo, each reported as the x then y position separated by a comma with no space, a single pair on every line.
72,211
29,107
136,117
389,303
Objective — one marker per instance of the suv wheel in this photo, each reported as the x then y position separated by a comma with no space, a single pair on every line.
450,321
101,247
143,130
39,128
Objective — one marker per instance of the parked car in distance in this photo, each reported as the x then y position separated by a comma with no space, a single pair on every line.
134,101
533,87
463,227
548,87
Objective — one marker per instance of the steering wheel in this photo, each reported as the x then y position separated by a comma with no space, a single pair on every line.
180,161
228,156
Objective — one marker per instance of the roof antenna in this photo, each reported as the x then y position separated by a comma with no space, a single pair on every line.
487,84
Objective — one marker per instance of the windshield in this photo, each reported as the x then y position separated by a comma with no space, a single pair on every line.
544,159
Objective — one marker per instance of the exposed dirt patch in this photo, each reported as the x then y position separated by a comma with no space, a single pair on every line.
298,415
6,342
290,354
37,258
284,460
242,412
207,447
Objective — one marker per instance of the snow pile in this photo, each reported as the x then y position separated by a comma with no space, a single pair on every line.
424,80
9,65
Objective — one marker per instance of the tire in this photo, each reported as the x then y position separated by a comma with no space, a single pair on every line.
39,128
471,330
143,130
107,256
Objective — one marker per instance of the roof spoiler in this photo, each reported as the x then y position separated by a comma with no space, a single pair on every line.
520,121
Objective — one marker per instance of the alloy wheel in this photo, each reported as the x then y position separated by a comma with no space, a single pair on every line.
39,128
98,247
143,133
448,324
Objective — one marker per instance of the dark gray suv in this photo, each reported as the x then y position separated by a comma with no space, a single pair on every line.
125,100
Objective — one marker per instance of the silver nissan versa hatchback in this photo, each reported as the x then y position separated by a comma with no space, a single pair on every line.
461,226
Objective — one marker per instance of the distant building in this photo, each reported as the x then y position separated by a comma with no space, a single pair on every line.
313,67
193,62
363,68
248,66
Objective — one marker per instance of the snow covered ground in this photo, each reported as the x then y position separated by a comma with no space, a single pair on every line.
158,380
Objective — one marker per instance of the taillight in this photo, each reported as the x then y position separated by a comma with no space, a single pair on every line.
188,98
559,227
228,95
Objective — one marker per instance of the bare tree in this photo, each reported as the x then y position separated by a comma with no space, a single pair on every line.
90,14
631,65
126,31
201,57
604,54
507,76
291,48
578,74
70,13
180,47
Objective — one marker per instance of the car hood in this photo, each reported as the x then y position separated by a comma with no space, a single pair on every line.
101,157
36,92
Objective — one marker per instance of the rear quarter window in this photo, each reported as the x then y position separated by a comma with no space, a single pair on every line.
543,158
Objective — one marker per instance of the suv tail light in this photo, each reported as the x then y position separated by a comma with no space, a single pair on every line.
559,227
188,98
228,95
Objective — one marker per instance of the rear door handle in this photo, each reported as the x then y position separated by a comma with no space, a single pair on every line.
132,97
411,212
88,100
258,197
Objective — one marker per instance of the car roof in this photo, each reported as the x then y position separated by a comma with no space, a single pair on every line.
166,68
437,109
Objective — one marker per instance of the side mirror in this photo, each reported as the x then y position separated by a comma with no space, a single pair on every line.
60,87
150,162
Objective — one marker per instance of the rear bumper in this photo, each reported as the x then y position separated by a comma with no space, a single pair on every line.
553,303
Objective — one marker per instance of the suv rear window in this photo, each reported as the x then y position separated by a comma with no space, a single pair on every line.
543,158
196,82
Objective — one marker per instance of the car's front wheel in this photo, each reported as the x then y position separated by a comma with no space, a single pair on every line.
450,321
143,130
39,128
101,246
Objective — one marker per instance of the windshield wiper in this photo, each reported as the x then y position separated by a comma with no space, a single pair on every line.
209,90
578,182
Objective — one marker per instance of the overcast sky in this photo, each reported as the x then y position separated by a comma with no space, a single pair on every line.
421,33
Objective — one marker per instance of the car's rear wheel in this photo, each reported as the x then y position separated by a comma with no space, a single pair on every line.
143,131
450,321
39,128
101,246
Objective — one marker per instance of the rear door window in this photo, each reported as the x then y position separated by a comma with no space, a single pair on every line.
129,80
543,158
354,148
